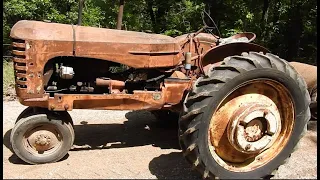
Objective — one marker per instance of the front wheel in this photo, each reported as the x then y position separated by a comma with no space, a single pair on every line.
41,136
244,119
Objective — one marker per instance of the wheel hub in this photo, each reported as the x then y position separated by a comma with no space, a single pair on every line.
43,139
252,130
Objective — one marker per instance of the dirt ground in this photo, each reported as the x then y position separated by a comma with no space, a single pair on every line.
130,145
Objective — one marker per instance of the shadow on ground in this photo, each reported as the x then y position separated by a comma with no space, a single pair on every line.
141,128
14,159
172,166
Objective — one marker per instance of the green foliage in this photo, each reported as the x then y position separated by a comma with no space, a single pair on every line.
287,28
184,17
118,69
8,76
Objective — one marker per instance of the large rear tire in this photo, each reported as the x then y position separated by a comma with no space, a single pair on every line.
244,119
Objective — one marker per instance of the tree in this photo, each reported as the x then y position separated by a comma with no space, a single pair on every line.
286,27
120,14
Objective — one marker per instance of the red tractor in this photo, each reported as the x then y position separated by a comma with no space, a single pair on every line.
242,110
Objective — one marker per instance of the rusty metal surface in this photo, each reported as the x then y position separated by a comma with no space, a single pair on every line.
179,75
251,36
235,144
42,140
308,72
201,43
54,39
240,37
218,53
206,40
114,86
35,43
171,94
175,90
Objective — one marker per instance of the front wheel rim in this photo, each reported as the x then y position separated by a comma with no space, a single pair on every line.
42,140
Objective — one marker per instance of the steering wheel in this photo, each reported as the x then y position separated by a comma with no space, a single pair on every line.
208,28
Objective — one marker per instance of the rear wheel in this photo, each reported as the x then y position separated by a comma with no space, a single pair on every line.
42,136
244,119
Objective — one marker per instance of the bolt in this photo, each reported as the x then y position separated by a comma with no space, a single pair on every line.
156,96
66,106
248,146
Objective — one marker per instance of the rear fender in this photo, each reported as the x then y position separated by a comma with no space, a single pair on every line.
214,57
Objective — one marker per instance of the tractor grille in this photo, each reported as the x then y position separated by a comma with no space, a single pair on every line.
19,62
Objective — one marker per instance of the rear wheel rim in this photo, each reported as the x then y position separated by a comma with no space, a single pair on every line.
251,126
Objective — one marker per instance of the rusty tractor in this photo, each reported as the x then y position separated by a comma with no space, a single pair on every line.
241,109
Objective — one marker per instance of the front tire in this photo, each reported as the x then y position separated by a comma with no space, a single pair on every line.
41,136
244,119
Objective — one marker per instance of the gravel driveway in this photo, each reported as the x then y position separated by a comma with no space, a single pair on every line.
130,145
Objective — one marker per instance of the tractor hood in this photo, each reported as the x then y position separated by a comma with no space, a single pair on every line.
135,49
35,30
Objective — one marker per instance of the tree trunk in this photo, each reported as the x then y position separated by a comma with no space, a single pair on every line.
295,28
264,18
80,12
120,14
151,13
160,16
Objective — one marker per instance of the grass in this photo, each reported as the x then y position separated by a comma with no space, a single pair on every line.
8,77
